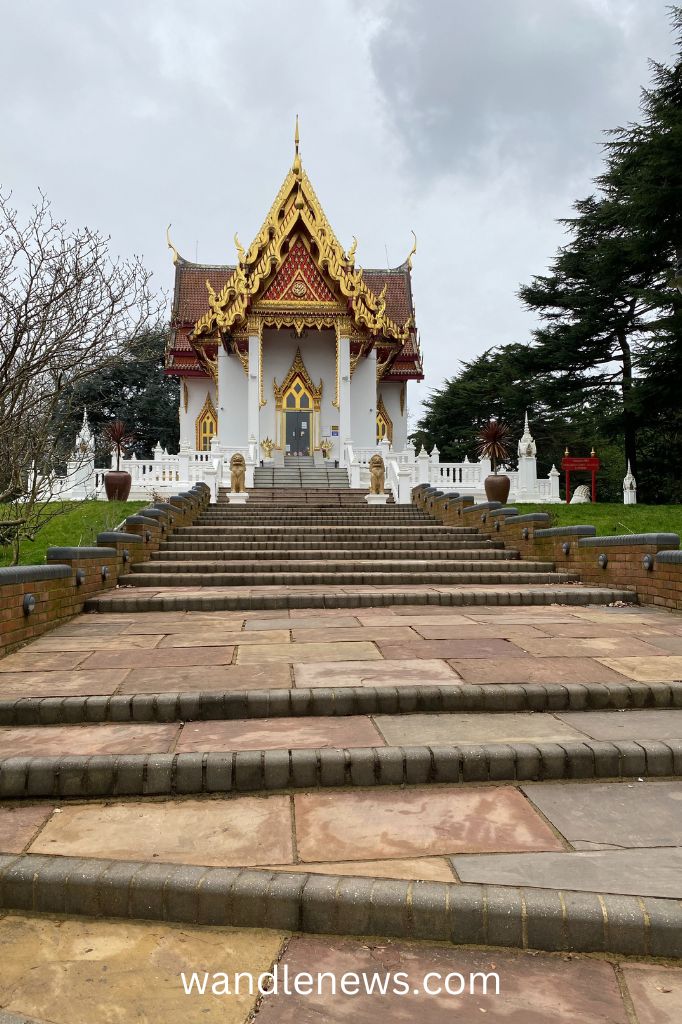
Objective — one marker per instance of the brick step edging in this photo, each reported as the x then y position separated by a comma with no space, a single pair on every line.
462,914
578,595
339,701
254,771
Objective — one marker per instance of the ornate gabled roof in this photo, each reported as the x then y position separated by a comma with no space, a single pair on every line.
297,211
295,260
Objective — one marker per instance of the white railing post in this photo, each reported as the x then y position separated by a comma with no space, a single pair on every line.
423,465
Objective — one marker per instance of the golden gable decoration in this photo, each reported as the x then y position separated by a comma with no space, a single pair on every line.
296,221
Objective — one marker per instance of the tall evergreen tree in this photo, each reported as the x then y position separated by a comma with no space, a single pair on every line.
136,390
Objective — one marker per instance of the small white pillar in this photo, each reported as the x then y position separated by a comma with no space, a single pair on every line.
629,488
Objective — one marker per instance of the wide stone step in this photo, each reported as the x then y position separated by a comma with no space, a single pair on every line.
272,563
276,543
164,577
339,530
337,596
178,554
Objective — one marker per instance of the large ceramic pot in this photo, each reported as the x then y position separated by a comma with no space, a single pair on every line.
497,487
117,485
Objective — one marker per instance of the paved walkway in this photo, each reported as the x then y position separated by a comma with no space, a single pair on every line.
568,680
78,972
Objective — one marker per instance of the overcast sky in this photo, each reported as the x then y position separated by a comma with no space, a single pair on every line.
474,122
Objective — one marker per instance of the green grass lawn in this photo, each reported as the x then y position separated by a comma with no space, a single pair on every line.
613,519
78,526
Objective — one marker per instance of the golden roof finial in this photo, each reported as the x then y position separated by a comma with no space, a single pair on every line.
176,255
352,250
412,251
297,156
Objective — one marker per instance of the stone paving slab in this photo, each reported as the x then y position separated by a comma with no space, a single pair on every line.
332,620
190,679
409,672
251,654
532,991
651,724
637,872
535,670
96,642
655,991
224,833
214,637
467,728
119,972
607,815
61,683
429,869
450,649
27,660
647,670
595,647
19,824
169,658
476,631
395,633
112,738
278,733
416,821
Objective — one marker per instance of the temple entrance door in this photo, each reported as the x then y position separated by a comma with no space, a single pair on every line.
298,433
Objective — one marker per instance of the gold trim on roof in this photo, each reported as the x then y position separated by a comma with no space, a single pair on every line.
296,206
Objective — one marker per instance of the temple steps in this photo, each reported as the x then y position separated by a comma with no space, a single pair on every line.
300,473
410,553
304,576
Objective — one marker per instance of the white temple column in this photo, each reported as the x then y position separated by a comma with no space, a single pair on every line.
344,396
253,409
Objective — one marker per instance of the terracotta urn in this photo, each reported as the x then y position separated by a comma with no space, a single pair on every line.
117,485
497,487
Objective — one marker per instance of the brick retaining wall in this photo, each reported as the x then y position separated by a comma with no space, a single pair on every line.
649,563
34,598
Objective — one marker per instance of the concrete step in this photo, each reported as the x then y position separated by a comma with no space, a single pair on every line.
334,596
337,544
339,577
179,553
274,563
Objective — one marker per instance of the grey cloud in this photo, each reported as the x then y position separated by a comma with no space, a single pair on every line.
474,86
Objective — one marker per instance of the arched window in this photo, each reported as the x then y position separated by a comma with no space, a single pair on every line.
206,426
297,397
384,423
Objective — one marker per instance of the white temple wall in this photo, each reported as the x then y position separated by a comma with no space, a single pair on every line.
390,393
196,390
318,351
233,398
363,401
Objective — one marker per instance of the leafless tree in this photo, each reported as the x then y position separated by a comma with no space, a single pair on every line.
66,309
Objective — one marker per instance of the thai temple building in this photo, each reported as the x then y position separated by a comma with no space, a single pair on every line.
294,356
293,349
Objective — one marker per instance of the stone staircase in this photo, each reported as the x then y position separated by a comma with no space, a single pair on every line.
274,542
299,473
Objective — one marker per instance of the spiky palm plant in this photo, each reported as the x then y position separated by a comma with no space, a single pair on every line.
119,436
494,443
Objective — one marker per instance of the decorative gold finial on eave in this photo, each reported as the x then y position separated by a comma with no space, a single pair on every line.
352,251
412,251
240,249
177,258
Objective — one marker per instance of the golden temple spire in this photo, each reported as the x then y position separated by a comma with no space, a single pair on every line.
297,156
